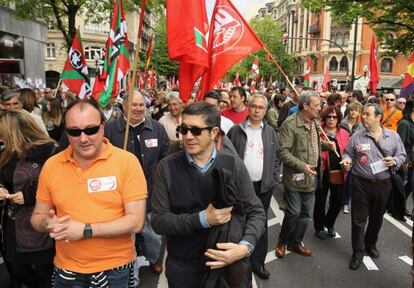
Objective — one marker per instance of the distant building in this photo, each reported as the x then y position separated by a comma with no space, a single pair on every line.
22,45
299,23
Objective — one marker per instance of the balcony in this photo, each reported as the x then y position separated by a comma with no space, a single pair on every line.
314,29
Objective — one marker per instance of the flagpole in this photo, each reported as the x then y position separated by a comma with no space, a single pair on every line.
280,69
134,73
57,87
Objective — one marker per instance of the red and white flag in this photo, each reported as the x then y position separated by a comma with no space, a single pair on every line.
230,40
326,84
236,81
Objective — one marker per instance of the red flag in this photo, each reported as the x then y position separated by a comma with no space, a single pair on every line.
151,79
408,82
141,82
116,62
326,84
187,26
75,75
373,67
306,76
230,40
254,71
236,81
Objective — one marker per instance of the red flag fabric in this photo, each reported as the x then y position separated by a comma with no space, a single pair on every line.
408,82
186,38
230,40
236,81
75,75
116,62
141,82
373,67
306,76
326,84
254,71
151,79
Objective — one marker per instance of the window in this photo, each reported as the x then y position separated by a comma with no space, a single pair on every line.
385,42
50,50
314,64
343,64
386,65
333,64
91,51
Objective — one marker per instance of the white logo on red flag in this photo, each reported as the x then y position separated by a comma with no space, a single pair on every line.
75,58
229,29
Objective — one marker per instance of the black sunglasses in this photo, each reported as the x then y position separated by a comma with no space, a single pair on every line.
74,132
196,131
389,100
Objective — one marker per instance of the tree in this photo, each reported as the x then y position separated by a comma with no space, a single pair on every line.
270,33
384,16
62,13
160,53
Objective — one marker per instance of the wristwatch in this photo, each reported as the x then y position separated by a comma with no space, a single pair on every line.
87,231
249,247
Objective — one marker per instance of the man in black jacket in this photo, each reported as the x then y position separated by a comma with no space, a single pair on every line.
182,198
148,141
257,144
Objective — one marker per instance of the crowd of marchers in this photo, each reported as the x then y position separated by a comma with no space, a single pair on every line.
86,189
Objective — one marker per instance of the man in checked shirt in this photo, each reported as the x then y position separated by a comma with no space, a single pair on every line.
371,184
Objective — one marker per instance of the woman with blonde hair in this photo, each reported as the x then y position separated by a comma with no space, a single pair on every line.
28,254
53,118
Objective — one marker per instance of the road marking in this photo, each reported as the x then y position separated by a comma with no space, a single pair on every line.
408,221
162,280
254,284
406,259
397,224
369,263
1,260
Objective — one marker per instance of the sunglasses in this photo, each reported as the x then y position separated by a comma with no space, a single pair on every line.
389,100
196,131
74,132
331,117
400,102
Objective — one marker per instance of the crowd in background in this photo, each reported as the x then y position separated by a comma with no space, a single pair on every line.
32,129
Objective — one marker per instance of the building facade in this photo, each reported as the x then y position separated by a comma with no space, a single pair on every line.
21,50
330,46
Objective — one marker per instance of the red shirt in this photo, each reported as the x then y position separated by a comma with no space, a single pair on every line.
236,117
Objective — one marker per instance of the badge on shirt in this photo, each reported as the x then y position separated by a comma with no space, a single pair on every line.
363,147
101,184
363,159
298,177
151,143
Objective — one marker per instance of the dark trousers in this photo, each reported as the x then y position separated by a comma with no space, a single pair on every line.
31,275
184,273
260,251
368,200
297,217
322,219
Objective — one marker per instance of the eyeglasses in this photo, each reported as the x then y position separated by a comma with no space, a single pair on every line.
196,131
74,132
389,100
400,102
331,117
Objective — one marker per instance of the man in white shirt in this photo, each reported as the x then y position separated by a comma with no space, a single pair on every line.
172,119
257,144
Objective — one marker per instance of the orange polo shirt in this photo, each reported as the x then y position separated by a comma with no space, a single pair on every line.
392,122
93,195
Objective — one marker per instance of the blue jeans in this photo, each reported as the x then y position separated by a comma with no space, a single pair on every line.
152,241
117,278
297,217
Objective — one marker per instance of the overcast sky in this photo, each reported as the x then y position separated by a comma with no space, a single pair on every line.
248,8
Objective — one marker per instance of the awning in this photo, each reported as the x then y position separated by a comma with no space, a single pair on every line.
390,83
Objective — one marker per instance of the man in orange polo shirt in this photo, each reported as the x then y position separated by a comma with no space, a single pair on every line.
91,199
391,114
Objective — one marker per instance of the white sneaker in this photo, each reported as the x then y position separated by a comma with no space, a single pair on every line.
346,209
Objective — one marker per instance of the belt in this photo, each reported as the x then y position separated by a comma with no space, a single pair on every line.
374,181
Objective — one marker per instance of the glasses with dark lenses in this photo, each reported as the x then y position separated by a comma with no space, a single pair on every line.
389,100
331,117
74,132
196,131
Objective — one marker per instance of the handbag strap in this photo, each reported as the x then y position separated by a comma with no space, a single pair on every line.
389,116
